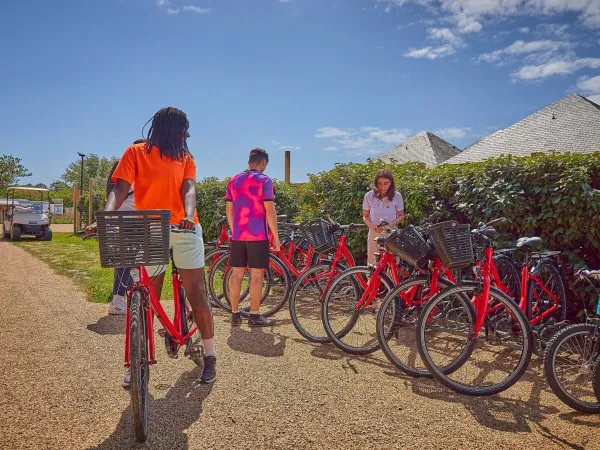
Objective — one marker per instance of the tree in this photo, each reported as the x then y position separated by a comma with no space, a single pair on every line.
11,170
59,185
94,168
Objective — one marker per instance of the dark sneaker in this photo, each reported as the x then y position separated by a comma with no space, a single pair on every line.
209,372
236,319
256,320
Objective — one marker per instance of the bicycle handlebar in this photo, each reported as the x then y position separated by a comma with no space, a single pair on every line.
583,273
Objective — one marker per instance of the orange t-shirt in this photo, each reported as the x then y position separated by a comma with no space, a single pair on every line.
157,180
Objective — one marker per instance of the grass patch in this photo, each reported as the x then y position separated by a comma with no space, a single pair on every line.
80,260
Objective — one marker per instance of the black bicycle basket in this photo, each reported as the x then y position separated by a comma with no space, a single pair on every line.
320,235
452,241
409,245
134,238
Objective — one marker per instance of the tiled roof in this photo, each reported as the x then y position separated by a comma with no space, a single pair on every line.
569,125
423,147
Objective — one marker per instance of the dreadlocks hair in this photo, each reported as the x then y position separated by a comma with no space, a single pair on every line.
169,132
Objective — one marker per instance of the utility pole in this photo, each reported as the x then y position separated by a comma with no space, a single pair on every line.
80,192
287,167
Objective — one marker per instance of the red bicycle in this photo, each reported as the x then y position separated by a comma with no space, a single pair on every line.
137,239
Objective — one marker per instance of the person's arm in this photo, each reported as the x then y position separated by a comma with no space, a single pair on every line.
229,213
188,197
367,219
399,205
399,219
115,199
272,221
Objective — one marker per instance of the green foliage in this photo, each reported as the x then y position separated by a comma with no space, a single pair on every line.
84,202
95,169
555,196
11,170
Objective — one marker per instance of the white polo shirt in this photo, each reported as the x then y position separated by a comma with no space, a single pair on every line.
383,208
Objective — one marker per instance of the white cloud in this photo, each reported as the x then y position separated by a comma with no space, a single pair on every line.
431,52
365,140
556,67
330,132
524,30
161,3
452,132
550,48
196,9
289,147
447,35
469,16
172,12
286,1
590,88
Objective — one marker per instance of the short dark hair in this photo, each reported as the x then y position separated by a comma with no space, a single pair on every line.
258,155
139,141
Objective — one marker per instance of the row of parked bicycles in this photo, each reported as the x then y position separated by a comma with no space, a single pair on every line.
441,301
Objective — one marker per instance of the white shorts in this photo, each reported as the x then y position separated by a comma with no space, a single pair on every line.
188,252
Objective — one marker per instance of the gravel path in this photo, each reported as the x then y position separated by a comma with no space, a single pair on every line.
60,366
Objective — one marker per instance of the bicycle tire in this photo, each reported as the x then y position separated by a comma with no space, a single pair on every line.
444,374
551,356
509,275
295,315
327,308
194,349
216,282
555,281
210,259
402,311
139,365
267,308
596,378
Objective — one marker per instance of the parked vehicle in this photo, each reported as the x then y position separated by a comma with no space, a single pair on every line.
27,217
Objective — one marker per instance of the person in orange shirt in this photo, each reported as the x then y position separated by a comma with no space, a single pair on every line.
164,174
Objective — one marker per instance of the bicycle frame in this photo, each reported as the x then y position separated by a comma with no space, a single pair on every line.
435,272
143,283
386,261
525,303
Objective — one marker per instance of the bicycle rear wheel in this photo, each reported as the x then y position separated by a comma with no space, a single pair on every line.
353,329
569,366
551,293
139,365
483,364
400,345
194,348
210,259
596,379
305,301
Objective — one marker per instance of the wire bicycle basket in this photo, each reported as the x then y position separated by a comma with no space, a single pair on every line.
134,238
452,241
320,234
409,245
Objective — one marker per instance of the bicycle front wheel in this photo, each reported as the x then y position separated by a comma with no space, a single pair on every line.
139,365
569,366
470,364
353,328
404,304
305,301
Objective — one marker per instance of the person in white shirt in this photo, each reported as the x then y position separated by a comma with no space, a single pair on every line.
121,279
382,202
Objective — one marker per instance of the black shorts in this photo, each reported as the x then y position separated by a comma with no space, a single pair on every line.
252,254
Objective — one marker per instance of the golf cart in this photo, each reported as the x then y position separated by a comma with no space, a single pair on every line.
27,217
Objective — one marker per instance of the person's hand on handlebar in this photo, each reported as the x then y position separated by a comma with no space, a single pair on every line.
187,223
276,246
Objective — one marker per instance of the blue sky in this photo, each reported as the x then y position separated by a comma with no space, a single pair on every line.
330,80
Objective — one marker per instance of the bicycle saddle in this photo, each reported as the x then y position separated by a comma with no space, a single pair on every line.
529,242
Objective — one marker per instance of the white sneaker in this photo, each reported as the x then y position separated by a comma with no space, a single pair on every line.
118,306
127,379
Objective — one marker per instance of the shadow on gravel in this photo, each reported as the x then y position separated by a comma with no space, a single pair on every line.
256,341
108,324
495,412
169,417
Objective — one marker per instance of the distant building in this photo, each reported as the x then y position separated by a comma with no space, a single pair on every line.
424,147
569,125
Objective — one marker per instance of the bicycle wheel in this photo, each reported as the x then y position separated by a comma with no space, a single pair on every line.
596,379
277,285
210,259
353,329
569,366
400,346
194,348
483,364
139,365
216,281
305,301
509,276
544,296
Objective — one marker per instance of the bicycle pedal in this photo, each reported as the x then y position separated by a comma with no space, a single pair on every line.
162,332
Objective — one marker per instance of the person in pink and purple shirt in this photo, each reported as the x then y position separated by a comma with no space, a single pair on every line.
250,210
